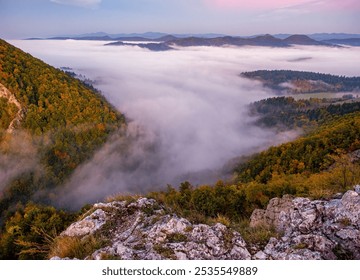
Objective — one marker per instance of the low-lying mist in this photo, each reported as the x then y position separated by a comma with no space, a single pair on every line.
17,156
187,109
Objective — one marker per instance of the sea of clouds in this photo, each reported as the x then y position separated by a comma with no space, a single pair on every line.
187,108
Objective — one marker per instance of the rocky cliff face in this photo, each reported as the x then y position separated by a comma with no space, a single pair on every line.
144,230
312,229
4,92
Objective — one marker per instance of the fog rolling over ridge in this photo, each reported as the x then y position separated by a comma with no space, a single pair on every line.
187,108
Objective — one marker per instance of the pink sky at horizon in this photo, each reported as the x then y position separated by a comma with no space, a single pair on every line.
45,18
280,4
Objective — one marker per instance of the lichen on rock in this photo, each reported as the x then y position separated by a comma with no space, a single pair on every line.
143,230
312,229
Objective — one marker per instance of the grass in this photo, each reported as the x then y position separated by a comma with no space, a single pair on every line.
228,236
259,235
222,220
176,237
121,197
300,246
163,251
109,257
139,247
345,222
189,229
75,247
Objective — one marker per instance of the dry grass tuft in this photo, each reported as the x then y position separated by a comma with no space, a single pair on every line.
74,247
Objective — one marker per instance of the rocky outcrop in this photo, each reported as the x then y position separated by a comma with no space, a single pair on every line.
4,92
143,230
312,229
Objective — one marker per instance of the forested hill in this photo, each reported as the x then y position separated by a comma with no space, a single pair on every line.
286,113
304,82
61,123
51,98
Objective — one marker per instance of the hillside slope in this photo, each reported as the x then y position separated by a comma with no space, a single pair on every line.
311,153
50,123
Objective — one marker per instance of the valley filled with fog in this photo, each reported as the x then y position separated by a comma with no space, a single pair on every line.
187,108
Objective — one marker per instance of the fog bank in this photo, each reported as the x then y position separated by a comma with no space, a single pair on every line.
187,106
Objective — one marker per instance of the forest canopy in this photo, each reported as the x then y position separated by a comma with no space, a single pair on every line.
304,82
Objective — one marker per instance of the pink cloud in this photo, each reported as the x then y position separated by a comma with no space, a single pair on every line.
255,4
280,4
347,4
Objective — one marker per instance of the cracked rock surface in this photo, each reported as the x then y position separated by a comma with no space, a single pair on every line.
143,229
312,229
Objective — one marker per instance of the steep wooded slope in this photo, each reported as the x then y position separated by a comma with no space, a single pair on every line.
63,122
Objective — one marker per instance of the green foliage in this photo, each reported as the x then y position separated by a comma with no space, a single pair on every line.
65,120
307,155
51,97
205,203
7,112
259,235
167,253
317,165
176,237
305,81
287,113
300,246
29,232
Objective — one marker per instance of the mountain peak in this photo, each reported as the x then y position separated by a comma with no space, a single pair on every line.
299,39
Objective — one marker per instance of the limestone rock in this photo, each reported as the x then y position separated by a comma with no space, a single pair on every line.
277,207
357,189
88,225
143,230
312,229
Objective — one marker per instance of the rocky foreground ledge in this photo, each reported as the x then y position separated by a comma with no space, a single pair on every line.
144,230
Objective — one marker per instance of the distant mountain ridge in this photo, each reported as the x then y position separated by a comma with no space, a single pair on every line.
301,40
347,41
146,35
157,35
170,42
322,36
157,41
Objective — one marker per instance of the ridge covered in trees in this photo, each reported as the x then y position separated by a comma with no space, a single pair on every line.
287,113
304,82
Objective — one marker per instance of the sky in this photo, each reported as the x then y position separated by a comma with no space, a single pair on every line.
44,18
